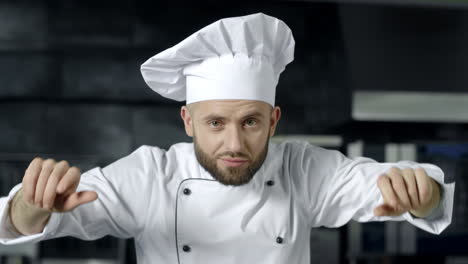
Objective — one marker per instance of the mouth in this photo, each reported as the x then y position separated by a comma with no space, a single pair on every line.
233,162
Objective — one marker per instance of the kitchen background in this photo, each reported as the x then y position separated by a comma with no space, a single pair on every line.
384,79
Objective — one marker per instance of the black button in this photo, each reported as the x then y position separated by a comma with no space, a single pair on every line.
186,248
279,240
187,191
270,183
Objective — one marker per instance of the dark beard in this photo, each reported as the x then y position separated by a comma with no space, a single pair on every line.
231,176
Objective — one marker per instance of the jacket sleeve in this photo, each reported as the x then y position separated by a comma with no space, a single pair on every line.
339,189
124,191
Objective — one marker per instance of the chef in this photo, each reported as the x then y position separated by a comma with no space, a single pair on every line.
231,196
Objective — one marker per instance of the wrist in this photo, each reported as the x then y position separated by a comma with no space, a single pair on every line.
26,218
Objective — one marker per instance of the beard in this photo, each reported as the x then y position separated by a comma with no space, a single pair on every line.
230,175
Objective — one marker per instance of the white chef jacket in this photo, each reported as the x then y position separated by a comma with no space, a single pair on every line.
178,213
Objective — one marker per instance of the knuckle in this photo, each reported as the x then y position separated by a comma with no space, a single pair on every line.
398,184
48,163
50,160
408,172
382,180
61,168
64,163
398,179
420,170
395,177
395,170
75,170
37,160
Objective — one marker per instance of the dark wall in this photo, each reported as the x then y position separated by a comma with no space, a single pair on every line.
393,48
70,80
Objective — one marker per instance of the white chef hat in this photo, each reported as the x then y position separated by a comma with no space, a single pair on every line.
232,58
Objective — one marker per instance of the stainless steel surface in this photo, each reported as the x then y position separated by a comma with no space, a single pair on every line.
29,250
319,140
410,106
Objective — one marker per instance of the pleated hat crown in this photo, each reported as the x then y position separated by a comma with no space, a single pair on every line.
232,58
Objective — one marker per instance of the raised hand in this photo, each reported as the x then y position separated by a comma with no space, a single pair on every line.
52,185
407,190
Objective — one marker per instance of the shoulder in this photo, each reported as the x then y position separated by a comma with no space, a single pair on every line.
303,156
302,149
157,155
148,159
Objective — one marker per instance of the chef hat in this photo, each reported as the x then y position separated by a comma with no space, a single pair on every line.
232,58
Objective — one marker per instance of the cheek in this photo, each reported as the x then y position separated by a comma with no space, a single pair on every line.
208,141
256,140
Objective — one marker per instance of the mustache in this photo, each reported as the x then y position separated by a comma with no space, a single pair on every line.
233,155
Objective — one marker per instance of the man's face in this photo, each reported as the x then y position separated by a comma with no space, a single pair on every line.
231,136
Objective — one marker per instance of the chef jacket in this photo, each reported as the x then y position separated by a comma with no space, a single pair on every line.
178,213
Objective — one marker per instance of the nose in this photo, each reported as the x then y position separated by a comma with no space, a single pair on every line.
234,139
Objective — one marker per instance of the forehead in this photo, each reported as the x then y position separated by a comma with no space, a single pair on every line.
228,108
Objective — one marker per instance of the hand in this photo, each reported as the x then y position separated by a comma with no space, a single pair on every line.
51,186
407,190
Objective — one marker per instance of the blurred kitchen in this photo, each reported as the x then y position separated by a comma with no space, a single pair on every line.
382,78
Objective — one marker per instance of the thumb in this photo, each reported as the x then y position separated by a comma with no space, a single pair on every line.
384,210
78,198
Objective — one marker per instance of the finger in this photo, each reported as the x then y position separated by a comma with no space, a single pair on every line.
399,187
78,198
424,186
388,194
51,187
410,180
69,181
30,179
47,168
385,210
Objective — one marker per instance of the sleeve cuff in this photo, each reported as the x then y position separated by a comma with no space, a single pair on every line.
440,217
9,236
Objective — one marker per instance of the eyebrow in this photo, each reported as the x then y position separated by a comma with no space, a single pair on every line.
253,114
218,117
213,117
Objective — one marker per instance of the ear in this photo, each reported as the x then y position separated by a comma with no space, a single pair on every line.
187,118
274,119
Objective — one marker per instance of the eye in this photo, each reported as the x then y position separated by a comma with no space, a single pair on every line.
250,122
214,123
